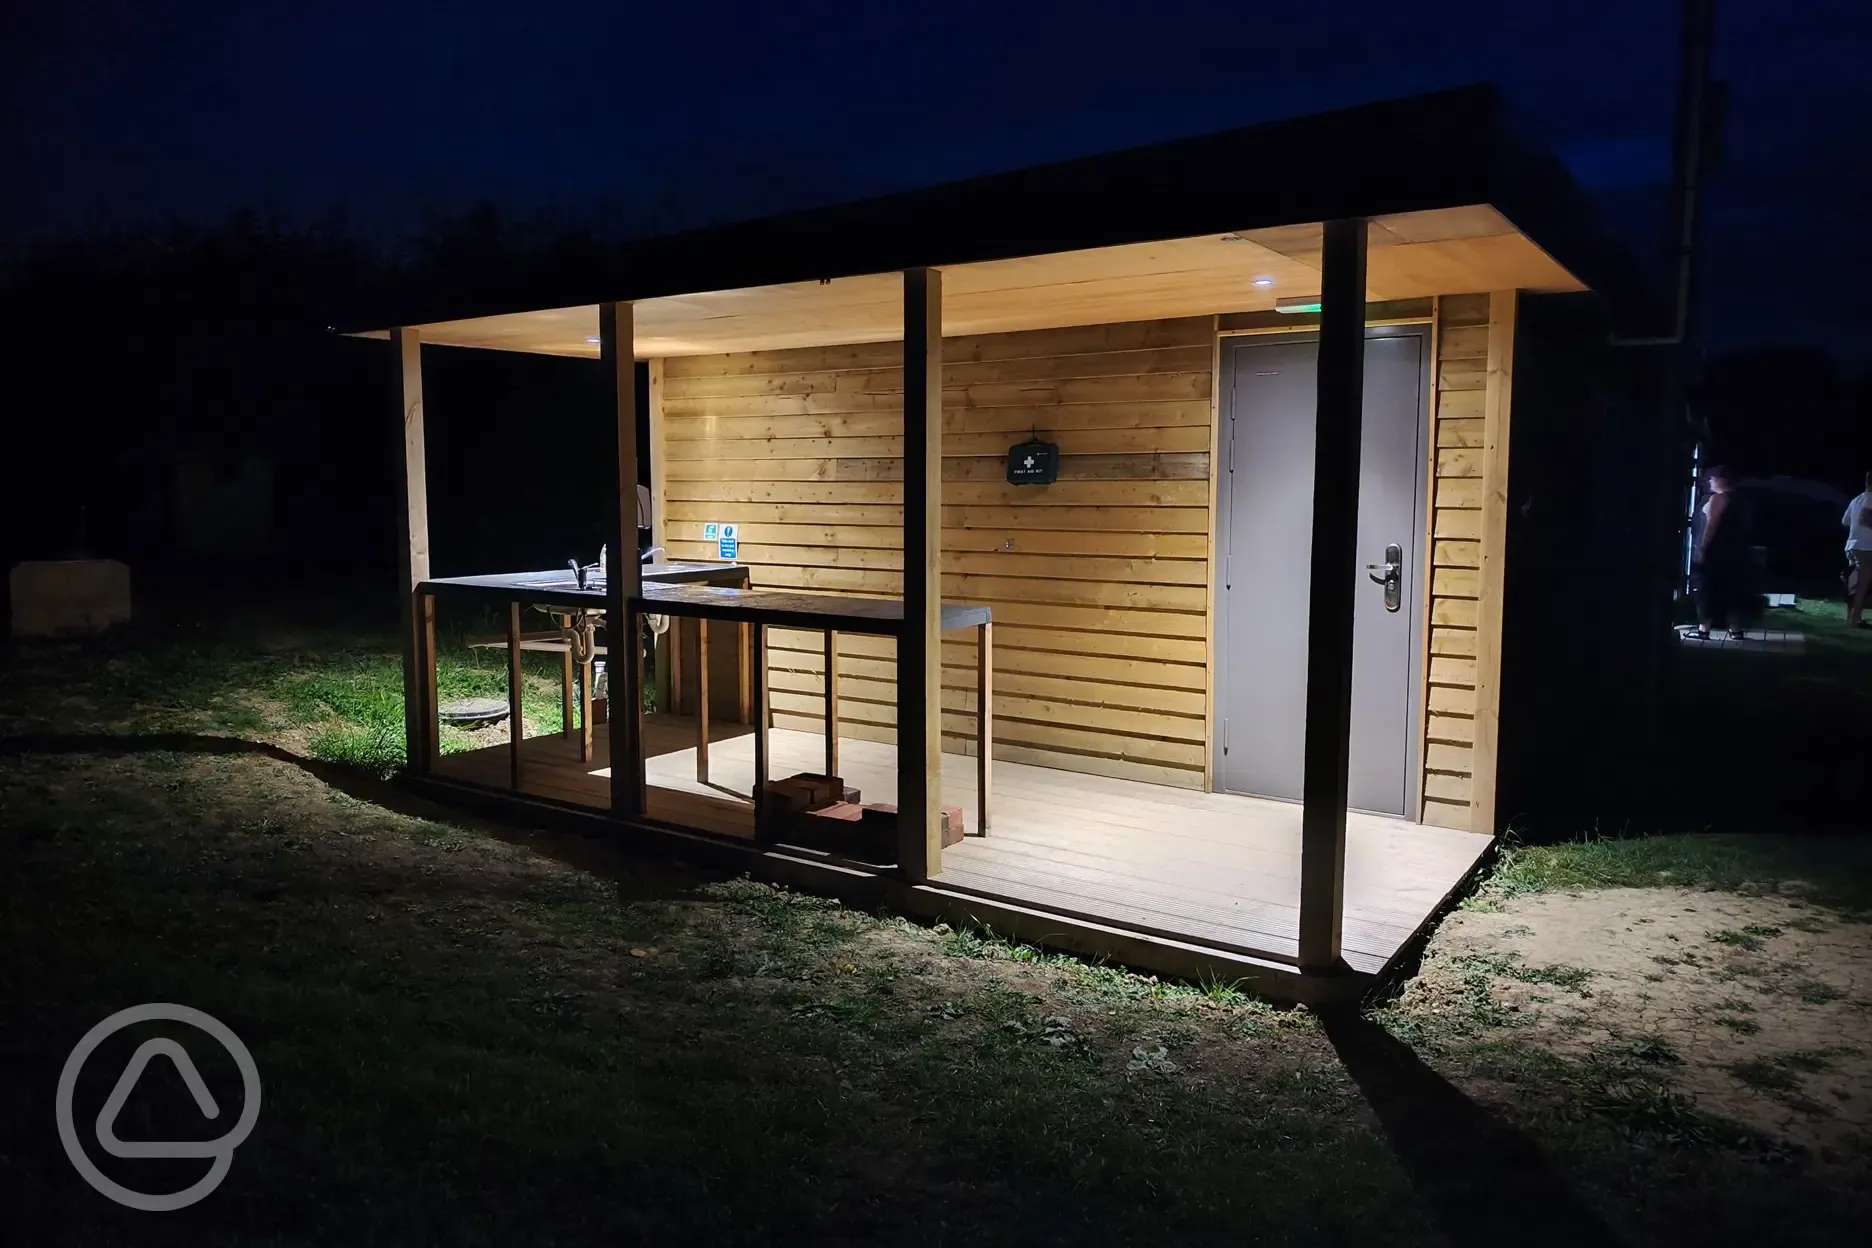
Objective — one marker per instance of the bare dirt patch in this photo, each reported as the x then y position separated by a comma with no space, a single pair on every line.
1757,1009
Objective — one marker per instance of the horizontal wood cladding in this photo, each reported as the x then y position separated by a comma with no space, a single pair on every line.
1455,558
1099,582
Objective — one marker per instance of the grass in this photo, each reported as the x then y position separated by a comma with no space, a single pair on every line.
1570,978
1761,741
345,698
465,1037
1753,938
1823,628
1835,872
463,1040
1813,992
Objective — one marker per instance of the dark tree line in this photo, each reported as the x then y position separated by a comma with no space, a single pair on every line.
123,354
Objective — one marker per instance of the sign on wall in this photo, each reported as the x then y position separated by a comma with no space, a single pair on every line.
1033,463
727,541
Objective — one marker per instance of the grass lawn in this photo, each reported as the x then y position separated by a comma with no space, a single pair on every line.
1765,739
477,1033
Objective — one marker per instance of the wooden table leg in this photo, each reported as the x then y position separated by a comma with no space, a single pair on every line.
588,645
516,723
758,639
673,648
568,720
430,751
831,704
585,712
702,702
984,724
747,660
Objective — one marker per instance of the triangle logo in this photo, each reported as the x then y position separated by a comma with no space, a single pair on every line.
114,1103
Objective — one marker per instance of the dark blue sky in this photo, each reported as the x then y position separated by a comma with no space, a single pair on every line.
126,111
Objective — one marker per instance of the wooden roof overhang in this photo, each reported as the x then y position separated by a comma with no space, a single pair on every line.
1229,222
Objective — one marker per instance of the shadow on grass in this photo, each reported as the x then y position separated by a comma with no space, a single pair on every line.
1483,1182
351,781
637,873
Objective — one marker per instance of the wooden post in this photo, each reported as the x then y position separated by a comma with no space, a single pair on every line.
702,693
585,697
516,721
1331,594
413,559
747,663
1497,398
984,724
426,671
666,642
674,704
757,645
831,703
624,575
568,722
919,647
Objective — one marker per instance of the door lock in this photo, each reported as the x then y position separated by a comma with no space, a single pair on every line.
1390,574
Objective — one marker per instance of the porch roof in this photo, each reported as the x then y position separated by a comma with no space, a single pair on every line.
1220,223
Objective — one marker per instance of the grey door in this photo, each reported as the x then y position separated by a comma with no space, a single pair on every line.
1264,540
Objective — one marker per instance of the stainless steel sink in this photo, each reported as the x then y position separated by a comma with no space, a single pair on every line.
592,583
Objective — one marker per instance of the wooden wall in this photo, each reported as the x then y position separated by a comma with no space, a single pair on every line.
1099,583
1459,434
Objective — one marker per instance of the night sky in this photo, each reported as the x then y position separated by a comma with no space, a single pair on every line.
668,114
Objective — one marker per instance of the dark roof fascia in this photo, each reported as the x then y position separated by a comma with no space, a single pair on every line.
1399,156
1530,186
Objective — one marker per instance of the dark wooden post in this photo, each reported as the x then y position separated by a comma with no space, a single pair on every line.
919,647
702,689
568,719
1331,594
419,721
757,715
984,724
624,575
516,719
831,703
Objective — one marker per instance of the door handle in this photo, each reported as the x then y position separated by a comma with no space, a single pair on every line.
1390,574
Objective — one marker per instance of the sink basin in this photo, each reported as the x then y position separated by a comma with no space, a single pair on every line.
560,582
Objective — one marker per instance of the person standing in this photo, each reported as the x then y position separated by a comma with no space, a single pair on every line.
1858,522
1721,559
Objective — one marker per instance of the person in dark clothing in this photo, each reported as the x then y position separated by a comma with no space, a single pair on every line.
1721,558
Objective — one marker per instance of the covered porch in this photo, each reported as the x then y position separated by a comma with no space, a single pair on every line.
843,389
1213,869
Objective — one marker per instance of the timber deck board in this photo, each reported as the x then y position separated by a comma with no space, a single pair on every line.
1210,868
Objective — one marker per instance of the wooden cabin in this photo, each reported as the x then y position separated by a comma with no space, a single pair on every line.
1221,696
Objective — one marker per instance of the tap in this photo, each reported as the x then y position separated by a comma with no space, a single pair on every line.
651,553
579,571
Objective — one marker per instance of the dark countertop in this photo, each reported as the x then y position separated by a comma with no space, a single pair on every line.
560,588
685,589
788,608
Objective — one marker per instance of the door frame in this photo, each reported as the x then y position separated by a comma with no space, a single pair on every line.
1228,354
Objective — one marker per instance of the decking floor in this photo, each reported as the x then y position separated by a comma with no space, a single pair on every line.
1206,868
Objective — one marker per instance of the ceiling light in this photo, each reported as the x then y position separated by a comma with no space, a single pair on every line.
1264,281
1298,303
593,341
